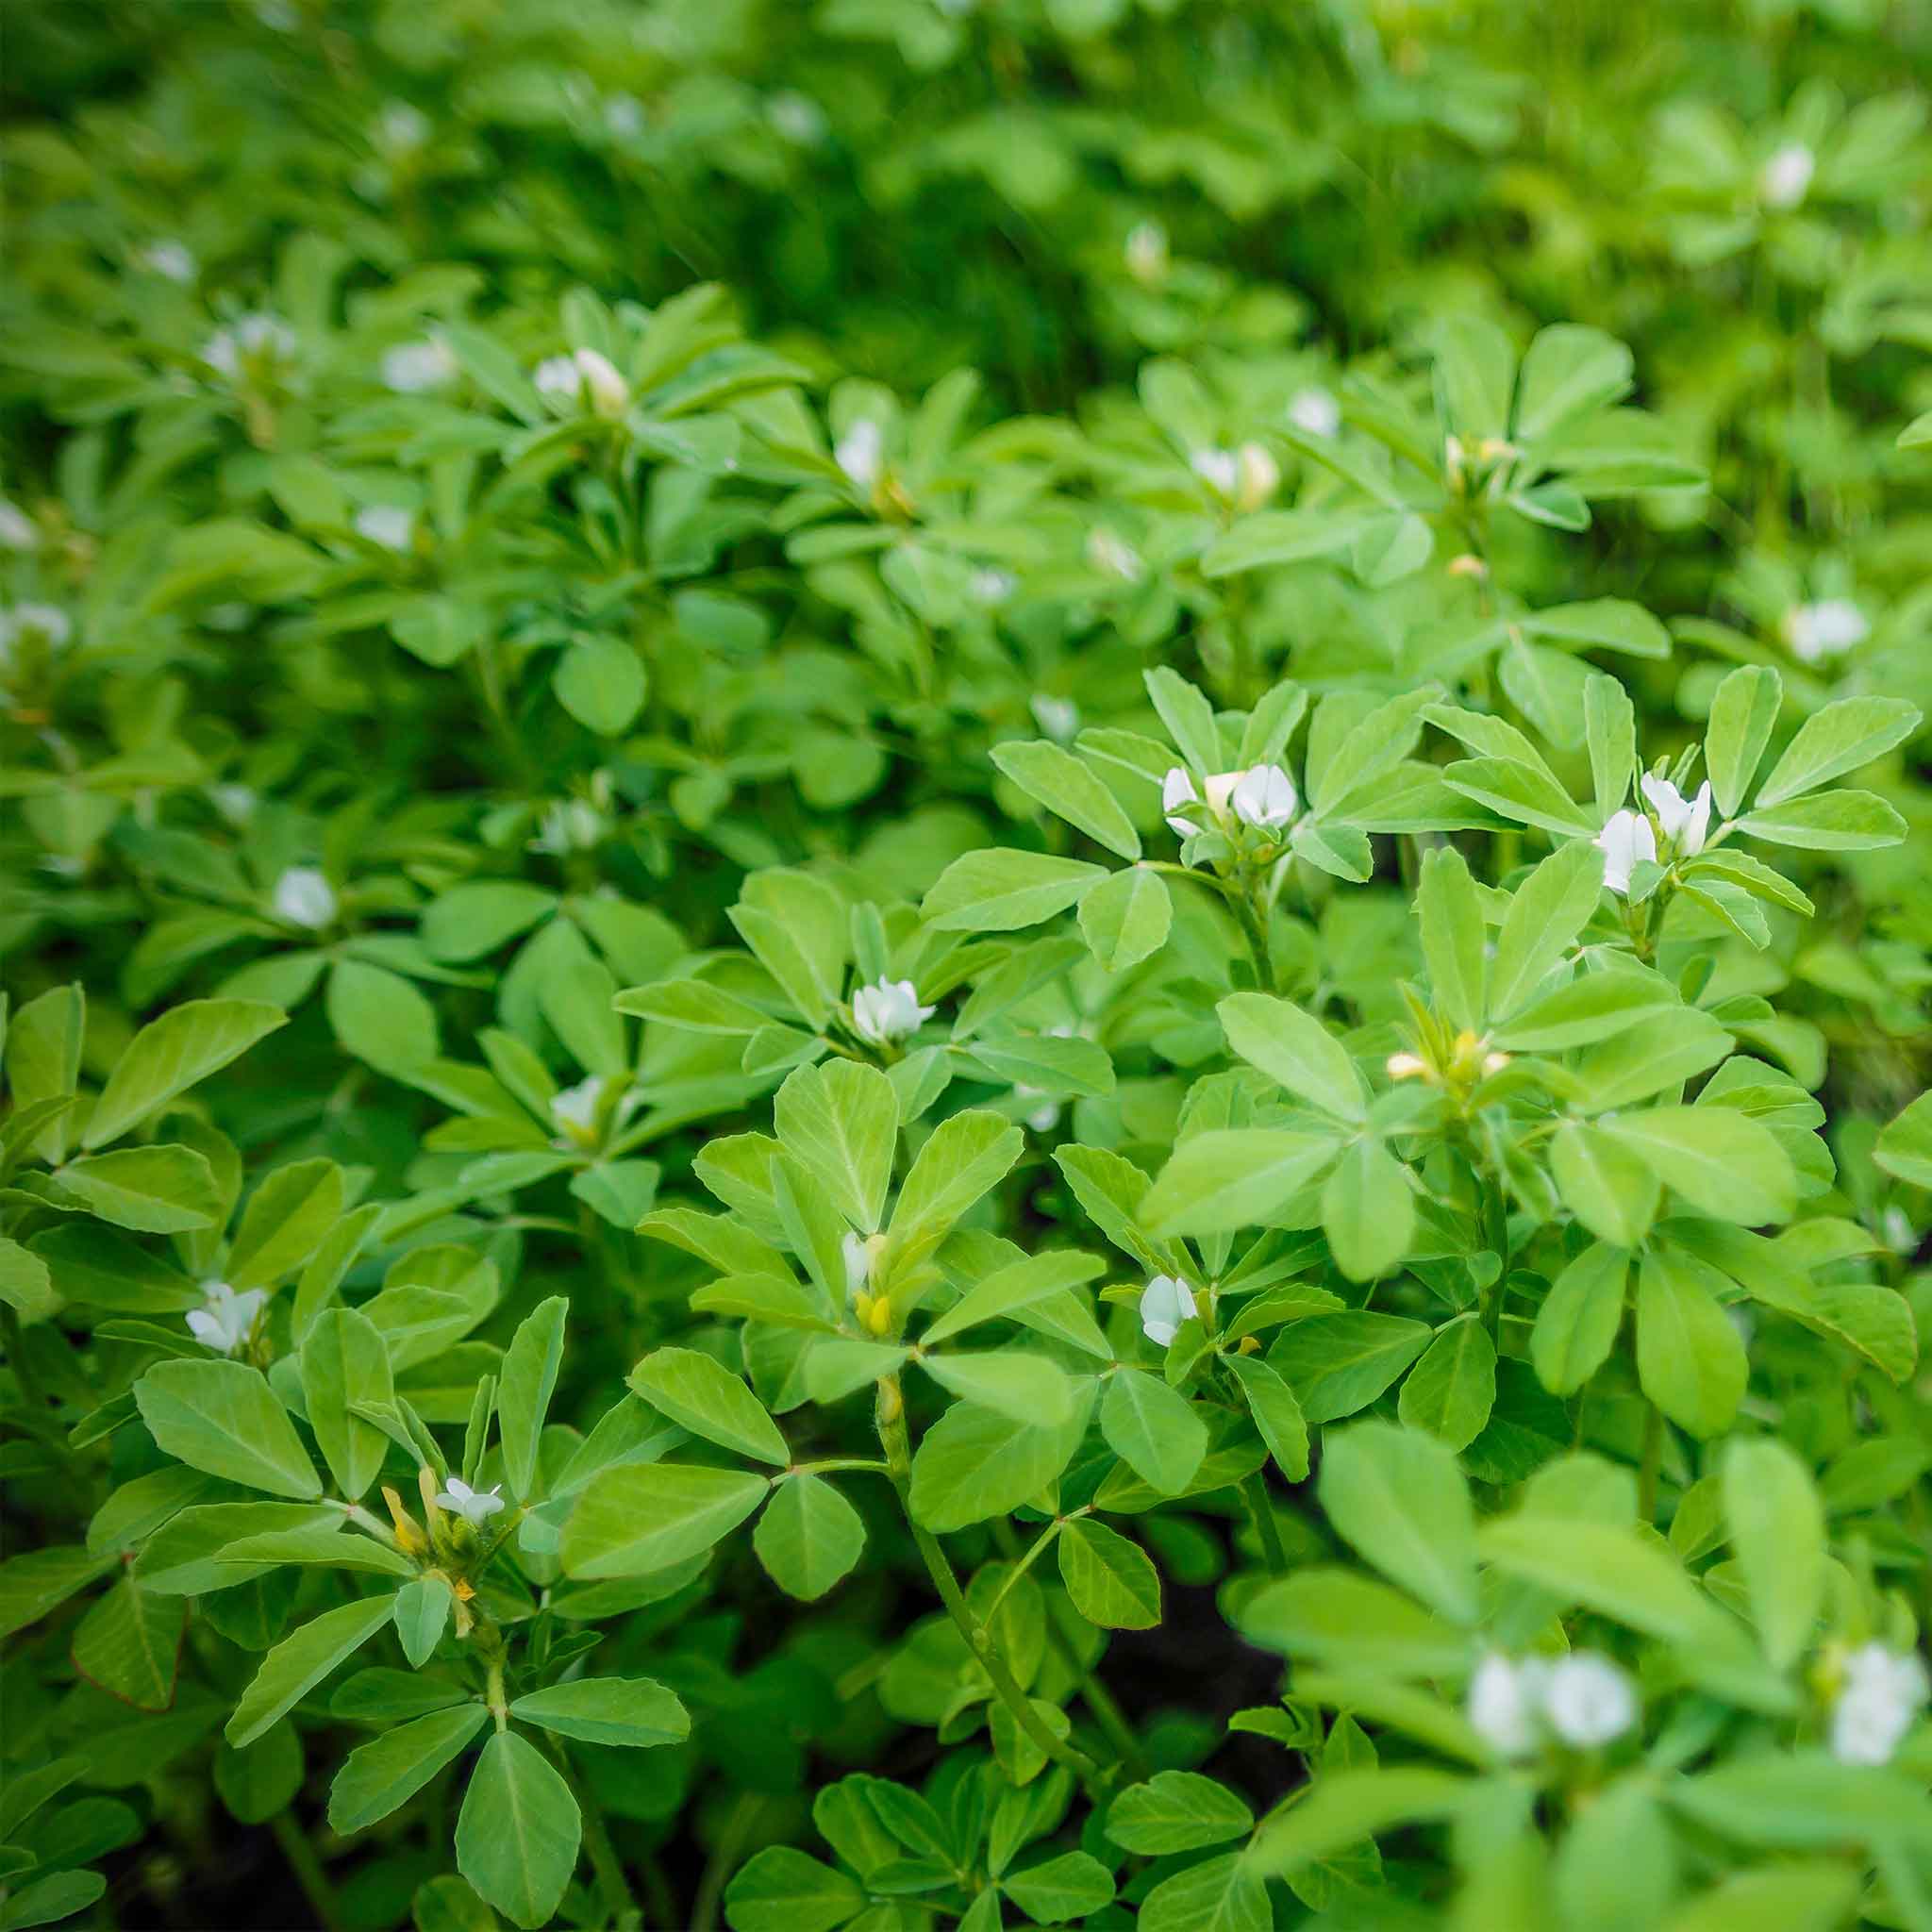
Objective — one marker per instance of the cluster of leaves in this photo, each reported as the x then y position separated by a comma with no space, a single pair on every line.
1141,1144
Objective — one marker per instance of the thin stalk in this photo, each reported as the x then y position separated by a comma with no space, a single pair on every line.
613,1885
892,1427
1256,932
307,1867
1255,1494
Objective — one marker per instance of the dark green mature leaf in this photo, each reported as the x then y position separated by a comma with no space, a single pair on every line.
394,1765
166,1058
518,1832
222,1418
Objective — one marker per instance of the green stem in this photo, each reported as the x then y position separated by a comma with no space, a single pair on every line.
307,1867
722,1862
1652,1464
1256,936
892,1427
1254,1493
609,1868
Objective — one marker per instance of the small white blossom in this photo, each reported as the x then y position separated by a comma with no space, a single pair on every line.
1059,718
1406,1066
46,622
1263,796
1786,178
1114,557
225,1320
1826,629
1220,789
1685,822
386,524
1146,252
475,1506
18,531
990,586
1177,789
1624,842
236,803
569,824
857,1252
1259,476
861,453
576,1108
256,339
797,117
624,117
1588,1701
413,368
1042,1118
1220,469
304,897
1901,1237
401,129
170,259
888,1011
583,376
1315,412
1166,1302
1504,1703
1876,1704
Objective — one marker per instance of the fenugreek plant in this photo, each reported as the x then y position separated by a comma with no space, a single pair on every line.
965,965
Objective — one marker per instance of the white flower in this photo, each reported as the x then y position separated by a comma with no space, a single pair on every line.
624,117
255,339
412,368
569,824
1684,821
401,129
1503,1701
857,1252
888,1011
990,586
1146,252
1586,1700
1876,1704
1220,789
475,1506
1177,789
1166,1302
576,1108
47,622
236,803
304,897
1624,841
1114,557
1901,1237
1220,469
386,524
1263,796
1314,412
225,1320
1059,718
1259,476
168,259
1043,1117
797,117
1785,176
18,531
1406,1066
861,453
1825,629
583,376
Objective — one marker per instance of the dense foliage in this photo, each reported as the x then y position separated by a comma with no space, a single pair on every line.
799,1139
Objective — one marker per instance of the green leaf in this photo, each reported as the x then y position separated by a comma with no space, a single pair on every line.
478,917
704,1397
1451,1390
1029,1388
1368,1211
1689,1358
809,1537
1340,1363
345,1362
1295,1048
422,1612
798,927
1609,730
394,1765
963,1158
1126,917
1112,1581
1905,1144
631,1711
1230,1177
129,1644
600,681
1722,1162
1607,1567
1002,891
1065,785
782,1890
1056,1889
632,1520
1453,938
1398,1497
1277,1414
1523,793
257,1782
300,1662
222,1418
286,1220
1189,718
1546,912
170,1054
1838,738
1610,1187
1743,713
524,1384
1838,821
1220,1894
1152,1429
1609,623
1778,1530
1569,370
1349,1620
380,1018
518,1832
1576,1326
1016,1286
1177,1811
163,1189
842,1120
973,1464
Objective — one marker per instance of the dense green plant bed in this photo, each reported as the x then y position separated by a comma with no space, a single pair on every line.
966,964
